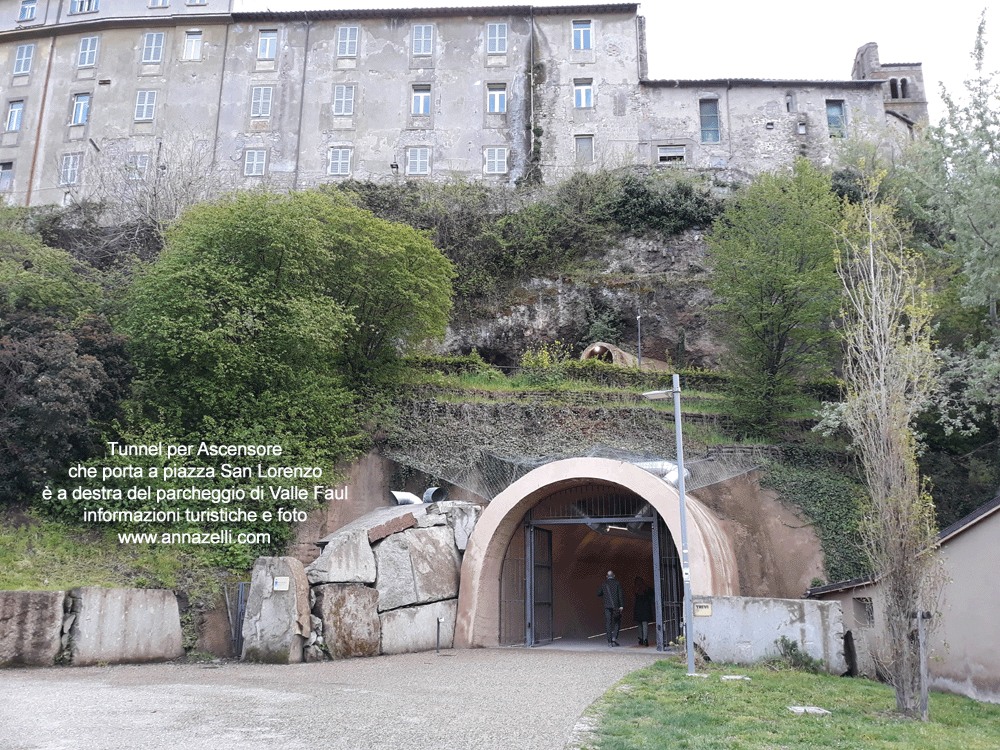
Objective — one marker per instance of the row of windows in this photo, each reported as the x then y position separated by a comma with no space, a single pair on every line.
28,7
267,43
422,40
261,98
418,162
145,108
152,51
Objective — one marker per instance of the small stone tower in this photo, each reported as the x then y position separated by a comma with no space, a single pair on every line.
903,87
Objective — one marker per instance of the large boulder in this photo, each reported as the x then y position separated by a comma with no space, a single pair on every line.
349,612
346,558
417,566
276,625
124,625
30,627
412,629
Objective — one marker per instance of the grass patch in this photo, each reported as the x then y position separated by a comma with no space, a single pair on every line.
38,554
661,707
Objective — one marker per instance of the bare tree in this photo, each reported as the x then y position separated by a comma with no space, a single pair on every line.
891,373
132,190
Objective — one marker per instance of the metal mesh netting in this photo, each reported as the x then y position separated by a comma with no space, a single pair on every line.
485,447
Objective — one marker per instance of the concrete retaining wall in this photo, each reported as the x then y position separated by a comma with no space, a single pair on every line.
741,630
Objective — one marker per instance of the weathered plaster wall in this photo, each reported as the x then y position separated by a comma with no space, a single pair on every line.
966,658
763,126
741,630
612,69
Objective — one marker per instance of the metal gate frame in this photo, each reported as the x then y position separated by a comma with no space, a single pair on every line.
663,600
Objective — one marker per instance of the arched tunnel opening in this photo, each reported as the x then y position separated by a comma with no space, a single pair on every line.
549,590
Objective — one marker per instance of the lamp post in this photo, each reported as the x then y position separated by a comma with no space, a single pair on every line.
685,567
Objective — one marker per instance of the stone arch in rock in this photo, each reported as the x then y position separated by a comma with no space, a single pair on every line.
711,555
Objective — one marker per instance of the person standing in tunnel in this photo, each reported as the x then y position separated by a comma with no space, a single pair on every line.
643,611
614,602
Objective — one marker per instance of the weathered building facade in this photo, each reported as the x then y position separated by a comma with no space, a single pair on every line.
101,94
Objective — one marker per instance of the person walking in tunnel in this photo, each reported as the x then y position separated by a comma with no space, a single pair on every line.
642,611
614,602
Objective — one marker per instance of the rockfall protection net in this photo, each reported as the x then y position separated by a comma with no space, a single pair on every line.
485,447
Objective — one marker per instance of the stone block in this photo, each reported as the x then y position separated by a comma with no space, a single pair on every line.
351,625
431,519
463,519
30,627
346,558
276,625
436,563
124,625
392,526
412,629
394,582
417,566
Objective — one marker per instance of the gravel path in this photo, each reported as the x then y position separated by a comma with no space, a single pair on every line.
488,699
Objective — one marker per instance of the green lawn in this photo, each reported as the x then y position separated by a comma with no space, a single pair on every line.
661,707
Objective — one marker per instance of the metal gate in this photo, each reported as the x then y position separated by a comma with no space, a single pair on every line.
538,589
670,592
526,578
236,606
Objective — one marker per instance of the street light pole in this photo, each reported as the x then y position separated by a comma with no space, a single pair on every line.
685,567
638,319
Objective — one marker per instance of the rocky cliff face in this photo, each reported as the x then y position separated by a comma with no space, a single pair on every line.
663,280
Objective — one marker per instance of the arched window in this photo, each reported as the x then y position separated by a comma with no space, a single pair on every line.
893,89
903,94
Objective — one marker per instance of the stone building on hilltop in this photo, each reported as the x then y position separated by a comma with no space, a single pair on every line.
103,97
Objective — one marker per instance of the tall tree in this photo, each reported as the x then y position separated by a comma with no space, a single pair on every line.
774,278
962,174
264,309
891,372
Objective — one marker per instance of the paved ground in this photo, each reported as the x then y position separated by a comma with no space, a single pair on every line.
488,699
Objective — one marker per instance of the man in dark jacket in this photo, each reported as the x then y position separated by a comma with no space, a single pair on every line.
614,602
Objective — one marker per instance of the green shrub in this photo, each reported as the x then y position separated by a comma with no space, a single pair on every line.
795,657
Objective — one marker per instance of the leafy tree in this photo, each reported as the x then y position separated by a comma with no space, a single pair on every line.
62,370
963,176
58,384
958,181
776,286
891,373
264,310
40,278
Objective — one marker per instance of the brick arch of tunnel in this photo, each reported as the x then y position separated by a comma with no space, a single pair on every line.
583,561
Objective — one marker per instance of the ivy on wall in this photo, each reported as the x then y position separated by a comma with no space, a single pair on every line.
833,499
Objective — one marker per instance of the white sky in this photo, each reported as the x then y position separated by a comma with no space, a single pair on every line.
809,39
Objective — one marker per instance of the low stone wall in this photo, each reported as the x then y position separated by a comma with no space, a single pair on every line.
742,630
386,583
88,626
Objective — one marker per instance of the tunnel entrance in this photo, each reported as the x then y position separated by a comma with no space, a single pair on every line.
560,553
